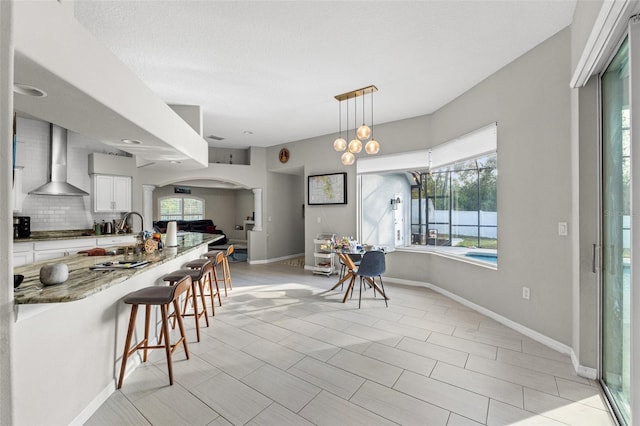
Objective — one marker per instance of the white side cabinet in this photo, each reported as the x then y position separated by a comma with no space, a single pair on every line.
111,193
324,257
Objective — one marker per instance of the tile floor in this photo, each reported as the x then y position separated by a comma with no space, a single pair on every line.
284,351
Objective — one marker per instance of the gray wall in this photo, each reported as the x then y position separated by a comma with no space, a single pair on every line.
221,206
283,213
530,100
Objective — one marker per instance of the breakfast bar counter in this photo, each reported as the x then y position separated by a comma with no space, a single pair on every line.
69,338
84,282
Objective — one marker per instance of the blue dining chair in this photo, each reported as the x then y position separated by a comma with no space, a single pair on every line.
372,265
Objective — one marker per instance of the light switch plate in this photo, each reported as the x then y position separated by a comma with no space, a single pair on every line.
563,229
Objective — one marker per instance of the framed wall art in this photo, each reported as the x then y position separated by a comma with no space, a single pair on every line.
327,189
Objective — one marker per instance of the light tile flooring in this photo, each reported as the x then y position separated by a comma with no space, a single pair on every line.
282,350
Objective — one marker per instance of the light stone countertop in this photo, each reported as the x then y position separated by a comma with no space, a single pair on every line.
83,282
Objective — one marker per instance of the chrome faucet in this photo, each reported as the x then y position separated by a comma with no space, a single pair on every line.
124,221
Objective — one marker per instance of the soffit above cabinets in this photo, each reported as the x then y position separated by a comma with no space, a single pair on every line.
89,91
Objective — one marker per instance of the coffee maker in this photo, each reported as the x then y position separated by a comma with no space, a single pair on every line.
21,227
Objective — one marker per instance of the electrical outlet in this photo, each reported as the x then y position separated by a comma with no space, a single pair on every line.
526,293
319,220
563,229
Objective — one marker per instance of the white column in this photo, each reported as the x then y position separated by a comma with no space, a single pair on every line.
257,209
147,205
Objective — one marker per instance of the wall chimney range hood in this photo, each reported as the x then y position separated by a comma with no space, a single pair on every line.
57,184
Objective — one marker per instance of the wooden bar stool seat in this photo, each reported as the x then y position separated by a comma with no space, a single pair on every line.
155,296
196,289
210,276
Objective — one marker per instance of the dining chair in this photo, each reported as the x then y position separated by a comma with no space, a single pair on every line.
355,258
372,265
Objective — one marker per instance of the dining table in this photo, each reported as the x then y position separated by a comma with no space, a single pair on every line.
352,273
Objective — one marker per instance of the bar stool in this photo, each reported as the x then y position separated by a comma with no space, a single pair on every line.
226,273
209,276
155,296
197,278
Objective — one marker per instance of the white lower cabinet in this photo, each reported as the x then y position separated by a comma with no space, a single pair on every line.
25,253
43,250
116,240
22,254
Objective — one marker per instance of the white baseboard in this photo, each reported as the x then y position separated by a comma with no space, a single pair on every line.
587,372
276,259
132,363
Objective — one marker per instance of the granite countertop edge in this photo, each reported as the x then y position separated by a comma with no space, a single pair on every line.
83,282
38,236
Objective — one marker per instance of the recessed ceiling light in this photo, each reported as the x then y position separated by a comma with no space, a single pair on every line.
25,89
175,162
132,141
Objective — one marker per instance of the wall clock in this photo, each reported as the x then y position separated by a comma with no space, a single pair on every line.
284,155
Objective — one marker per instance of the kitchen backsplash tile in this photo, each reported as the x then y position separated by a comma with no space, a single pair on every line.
50,213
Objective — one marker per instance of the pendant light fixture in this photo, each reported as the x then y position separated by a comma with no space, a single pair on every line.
372,147
364,133
355,146
340,144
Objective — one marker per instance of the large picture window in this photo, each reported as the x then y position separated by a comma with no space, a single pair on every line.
442,199
181,208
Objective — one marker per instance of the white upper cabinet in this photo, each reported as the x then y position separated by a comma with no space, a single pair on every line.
111,193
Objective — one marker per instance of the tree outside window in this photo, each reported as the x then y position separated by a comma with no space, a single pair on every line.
457,205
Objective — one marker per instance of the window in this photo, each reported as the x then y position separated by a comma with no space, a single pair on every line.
444,197
457,205
181,208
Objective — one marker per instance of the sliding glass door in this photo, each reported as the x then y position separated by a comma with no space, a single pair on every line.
616,233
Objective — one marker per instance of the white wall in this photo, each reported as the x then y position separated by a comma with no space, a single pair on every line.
377,216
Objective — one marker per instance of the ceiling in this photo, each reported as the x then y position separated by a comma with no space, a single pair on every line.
266,72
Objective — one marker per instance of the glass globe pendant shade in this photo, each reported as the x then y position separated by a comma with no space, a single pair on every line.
364,132
340,144
372,147
348,158
355,146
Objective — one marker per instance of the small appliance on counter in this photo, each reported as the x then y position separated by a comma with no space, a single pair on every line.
21,227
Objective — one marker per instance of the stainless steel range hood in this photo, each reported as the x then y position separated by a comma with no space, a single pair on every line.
57,184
